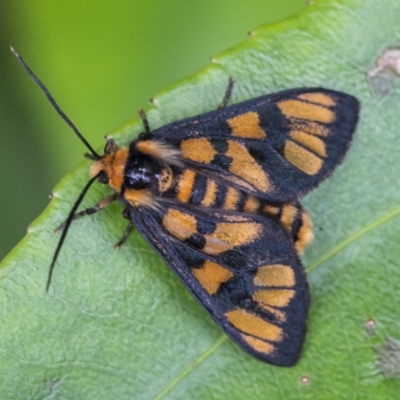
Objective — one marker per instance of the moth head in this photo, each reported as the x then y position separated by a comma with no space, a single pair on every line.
109,168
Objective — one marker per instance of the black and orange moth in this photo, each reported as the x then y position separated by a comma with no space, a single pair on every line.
217,197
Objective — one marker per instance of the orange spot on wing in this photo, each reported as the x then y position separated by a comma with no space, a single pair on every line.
289,212
274,298
319,98
304,235
185,185
301,158
314,143
200,150
211,276
211,193
271,210
310,127
308,111
259,345
179,224
236,218
275,275
251,204
229,235
247,125
231,199
253,325
244,165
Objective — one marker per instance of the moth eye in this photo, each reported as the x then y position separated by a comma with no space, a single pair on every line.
103,178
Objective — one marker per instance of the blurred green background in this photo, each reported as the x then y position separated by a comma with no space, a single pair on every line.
101,61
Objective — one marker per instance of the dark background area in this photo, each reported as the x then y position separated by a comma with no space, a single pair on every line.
101,61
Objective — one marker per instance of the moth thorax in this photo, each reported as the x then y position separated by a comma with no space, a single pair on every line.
141,172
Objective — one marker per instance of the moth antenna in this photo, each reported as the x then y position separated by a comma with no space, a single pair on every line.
54,103
67,225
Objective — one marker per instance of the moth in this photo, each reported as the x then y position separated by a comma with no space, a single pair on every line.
217,197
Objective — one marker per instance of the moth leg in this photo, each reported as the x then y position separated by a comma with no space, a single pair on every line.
91,210
144,121
228,93
127,232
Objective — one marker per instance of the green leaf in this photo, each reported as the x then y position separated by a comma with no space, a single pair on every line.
119,324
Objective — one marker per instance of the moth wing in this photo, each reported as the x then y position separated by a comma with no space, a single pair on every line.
242,269
277,146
